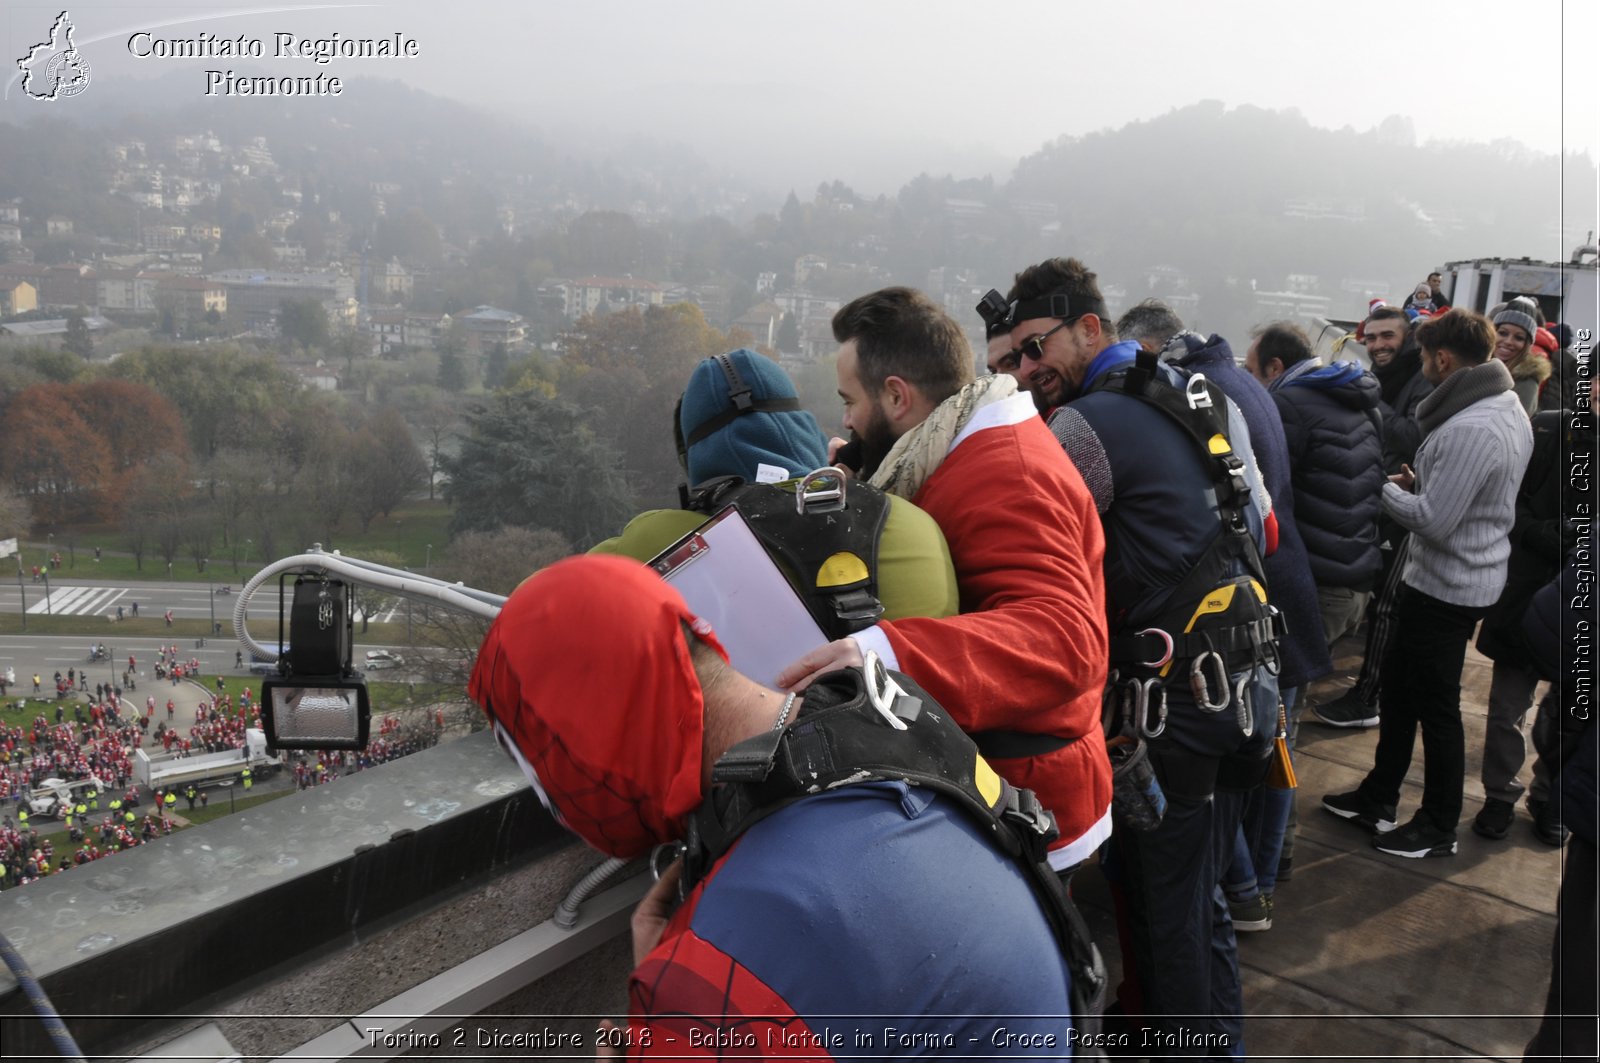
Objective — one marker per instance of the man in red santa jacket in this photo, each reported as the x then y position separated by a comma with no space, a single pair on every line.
1023,667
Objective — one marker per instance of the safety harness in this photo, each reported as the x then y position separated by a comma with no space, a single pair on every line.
1215,622
886,728
824,538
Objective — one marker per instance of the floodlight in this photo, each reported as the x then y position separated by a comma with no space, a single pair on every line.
317,700
315,713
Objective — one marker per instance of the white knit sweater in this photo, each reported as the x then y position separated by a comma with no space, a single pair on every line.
1463,503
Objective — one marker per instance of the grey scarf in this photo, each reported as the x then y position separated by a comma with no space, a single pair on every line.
1460,390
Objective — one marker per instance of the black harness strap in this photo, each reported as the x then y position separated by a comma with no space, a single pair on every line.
1200,411
850,742
808,545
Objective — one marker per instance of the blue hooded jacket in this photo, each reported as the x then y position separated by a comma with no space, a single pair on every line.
1290,586
1334,433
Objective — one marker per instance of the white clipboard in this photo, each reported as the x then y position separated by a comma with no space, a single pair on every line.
729,579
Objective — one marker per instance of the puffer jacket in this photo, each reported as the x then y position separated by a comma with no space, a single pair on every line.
1333,431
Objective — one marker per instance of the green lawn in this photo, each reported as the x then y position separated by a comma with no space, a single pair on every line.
408,532
219,805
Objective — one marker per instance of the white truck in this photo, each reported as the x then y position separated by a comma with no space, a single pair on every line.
52,797
169,771
1565,291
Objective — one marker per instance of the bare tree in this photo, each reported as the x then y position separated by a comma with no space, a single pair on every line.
499,560
235,481
371,599
436,420
492,561
383,466
16,514
156,505
199,532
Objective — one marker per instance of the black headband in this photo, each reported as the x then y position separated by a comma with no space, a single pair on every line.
1000,316
1056,306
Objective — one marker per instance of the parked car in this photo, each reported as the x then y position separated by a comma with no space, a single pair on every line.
383,659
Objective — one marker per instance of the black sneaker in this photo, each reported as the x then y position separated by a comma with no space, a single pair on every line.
1547,822
1494,821
1358,810
1417,839
1347,710
1253,914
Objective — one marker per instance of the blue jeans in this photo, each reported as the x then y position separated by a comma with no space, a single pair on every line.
1259,841
1184,954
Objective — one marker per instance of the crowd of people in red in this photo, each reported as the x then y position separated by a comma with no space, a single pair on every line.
95,734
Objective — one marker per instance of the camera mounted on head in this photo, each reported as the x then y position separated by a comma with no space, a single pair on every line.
1001,316
996,313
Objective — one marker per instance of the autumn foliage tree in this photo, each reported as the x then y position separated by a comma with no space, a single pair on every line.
51,456
629,370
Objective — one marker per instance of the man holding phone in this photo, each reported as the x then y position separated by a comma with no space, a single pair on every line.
1458,505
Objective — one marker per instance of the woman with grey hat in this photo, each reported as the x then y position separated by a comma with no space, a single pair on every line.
1515,325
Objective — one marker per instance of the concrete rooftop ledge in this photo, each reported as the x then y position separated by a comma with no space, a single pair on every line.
132,946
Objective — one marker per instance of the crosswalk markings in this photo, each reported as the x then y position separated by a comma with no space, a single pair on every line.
78,601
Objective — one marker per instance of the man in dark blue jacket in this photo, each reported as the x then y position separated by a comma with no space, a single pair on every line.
1397,363
1160,508
1331,427
1266,849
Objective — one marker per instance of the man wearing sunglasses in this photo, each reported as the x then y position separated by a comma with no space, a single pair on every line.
1002,358
876,898
1158,497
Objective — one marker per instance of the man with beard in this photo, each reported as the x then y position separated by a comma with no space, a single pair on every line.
1023,667
1182,555
1458,506
1397,363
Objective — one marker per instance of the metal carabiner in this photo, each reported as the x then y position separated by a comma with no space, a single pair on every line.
1247,712
1202,690
671,850
1111,713
1166,655
1144,708
1131,705
1266,653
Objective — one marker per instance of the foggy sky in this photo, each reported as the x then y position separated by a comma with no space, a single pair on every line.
876,91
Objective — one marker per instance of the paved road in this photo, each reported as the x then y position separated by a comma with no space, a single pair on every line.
86,597
47,654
